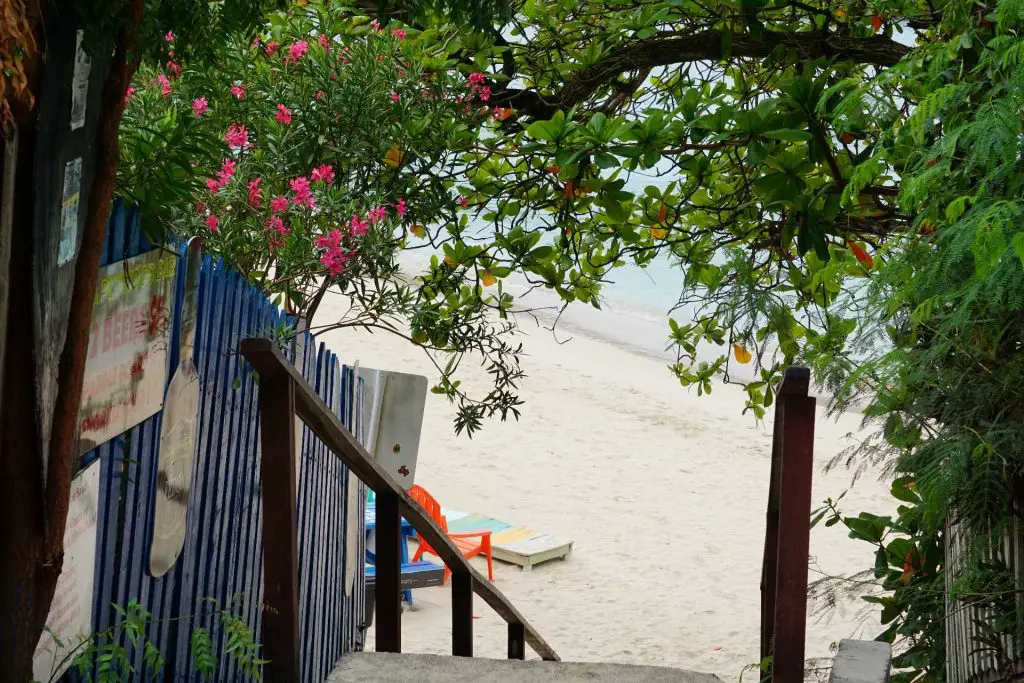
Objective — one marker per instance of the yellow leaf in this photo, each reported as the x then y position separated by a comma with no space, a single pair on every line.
662,211
394,156
658,233
487,278
418,230
742,355
449,261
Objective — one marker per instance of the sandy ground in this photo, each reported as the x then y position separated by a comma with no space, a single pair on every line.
662,491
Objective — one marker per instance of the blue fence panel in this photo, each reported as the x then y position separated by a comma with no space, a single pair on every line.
223,556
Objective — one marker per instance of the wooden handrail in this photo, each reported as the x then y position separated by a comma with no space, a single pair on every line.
787,532
393,503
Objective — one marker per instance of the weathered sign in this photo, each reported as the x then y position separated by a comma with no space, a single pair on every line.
395,421
178,432
69,623
127,363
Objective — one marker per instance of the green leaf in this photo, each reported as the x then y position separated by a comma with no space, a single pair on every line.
605,160
543,130
789,135
613,209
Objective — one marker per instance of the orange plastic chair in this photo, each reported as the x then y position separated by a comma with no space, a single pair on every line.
463,541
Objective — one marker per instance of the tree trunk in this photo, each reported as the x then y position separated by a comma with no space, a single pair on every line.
33,518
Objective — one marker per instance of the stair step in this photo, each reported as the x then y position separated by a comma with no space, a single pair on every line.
382,667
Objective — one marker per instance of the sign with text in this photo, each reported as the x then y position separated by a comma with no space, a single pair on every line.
126,369
69,622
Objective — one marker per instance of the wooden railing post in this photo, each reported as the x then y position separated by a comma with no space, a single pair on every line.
389,572
516,640
392,504
462,613
280,529
787,536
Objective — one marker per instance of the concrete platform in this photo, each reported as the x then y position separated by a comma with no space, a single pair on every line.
380,667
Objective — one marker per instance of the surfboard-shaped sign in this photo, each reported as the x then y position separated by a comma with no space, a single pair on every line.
178,431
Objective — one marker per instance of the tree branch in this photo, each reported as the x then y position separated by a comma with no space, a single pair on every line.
703,46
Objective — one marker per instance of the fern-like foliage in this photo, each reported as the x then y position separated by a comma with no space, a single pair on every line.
943,345
204,659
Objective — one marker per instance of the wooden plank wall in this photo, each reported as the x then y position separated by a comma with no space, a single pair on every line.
223,557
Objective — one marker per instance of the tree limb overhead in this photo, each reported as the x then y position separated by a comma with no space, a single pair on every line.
703,46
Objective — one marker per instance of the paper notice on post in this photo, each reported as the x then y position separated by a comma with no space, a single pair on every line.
80,84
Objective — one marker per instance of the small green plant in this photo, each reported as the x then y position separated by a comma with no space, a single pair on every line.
109,656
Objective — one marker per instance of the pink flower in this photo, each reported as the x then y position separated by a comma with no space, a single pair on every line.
375,25
377,214
212,223
476,80
227,170
334,261
214,184
331,240
283,115
279,204
335,257
164,83
199,106
255,193
398,33
174,68
358,226
237,136
301,194
320,94
324,173
238,91
401,209
200,208
271,47
324,44
463,202
395,97
501,113
128,94
297,50
278,226
484,94
275,242
169,36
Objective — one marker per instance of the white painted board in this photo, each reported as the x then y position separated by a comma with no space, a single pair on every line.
396,421
70,616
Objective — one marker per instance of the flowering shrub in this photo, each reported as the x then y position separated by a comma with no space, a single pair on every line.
315,153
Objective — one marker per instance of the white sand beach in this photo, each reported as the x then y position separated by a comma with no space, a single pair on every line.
662,491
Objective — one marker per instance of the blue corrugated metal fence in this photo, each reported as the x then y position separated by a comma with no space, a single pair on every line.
222,558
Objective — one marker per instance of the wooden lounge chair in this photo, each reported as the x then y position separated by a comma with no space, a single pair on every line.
463,541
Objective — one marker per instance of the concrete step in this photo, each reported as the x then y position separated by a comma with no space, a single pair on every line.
382,667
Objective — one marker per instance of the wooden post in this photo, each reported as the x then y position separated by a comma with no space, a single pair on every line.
769,565
784,601
280,529
389,573
462,613
516,640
